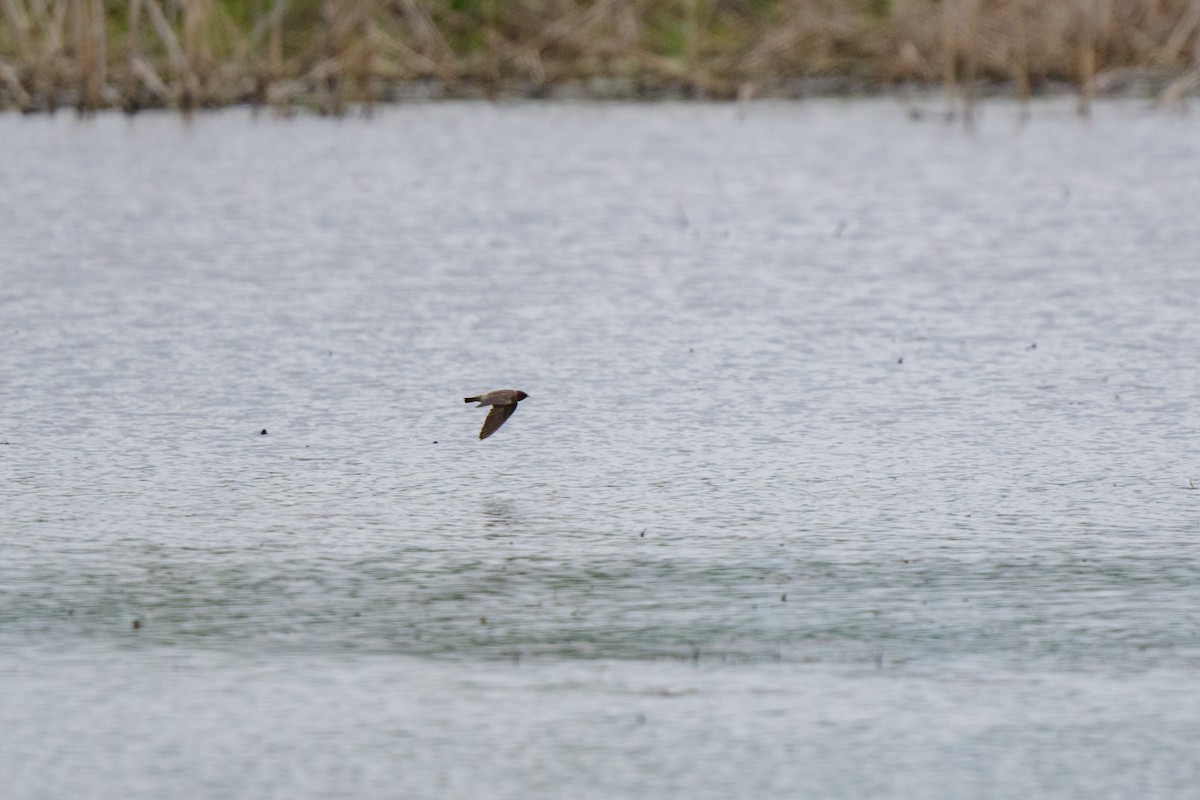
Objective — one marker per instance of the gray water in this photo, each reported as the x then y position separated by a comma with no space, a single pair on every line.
857,460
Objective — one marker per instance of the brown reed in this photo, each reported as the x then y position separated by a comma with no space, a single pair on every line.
332,54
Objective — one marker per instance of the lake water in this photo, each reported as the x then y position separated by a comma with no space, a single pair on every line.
857,460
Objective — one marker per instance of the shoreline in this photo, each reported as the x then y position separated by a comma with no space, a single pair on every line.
326,57
1160,87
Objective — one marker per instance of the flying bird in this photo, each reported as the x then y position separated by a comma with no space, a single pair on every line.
503,403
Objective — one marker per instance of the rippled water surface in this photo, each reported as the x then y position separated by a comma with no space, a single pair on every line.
857,460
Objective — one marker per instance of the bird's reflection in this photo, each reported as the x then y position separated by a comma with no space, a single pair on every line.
500,515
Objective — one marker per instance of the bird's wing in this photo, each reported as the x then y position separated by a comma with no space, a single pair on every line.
495,418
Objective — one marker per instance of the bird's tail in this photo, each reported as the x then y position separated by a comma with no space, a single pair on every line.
470,399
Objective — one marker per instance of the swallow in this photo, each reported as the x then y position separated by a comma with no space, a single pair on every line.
503,403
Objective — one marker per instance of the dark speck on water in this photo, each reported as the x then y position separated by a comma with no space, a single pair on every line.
263,432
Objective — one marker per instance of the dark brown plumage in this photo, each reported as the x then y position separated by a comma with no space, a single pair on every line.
503,403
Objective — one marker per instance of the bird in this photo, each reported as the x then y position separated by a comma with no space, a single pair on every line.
503,403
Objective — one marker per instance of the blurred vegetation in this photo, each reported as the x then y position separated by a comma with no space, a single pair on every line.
329,53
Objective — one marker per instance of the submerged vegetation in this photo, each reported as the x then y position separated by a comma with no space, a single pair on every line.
135,54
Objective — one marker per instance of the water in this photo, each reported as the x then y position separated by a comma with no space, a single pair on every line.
856,463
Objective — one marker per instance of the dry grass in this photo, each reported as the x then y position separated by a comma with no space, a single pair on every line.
330,53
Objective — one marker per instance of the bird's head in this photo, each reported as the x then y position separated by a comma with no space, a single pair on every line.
521,396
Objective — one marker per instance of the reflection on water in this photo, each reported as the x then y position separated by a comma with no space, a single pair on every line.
500,515
847,434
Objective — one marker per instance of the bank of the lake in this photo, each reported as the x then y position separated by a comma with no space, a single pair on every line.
331,57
